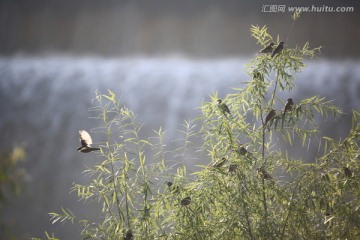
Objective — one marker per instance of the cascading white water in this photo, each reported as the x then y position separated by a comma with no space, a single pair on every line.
44,101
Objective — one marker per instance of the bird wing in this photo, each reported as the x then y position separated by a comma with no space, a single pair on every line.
266,50
85,138
227,108
224,108
271,114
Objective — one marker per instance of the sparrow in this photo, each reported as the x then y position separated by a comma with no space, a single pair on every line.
257,75
172,188
219,163
241,151
169,183
278,49
224,109
263,174
288,105
268,49
347,172
325,177
232,168
86,142
129,235
270,116
186,201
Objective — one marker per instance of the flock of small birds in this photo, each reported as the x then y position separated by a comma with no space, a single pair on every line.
224,109
86,141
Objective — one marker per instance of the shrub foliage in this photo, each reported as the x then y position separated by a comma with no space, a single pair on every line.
249,188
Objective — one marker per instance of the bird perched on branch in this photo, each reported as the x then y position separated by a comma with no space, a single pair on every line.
288,105
263,174
219,163
257,75
224,109
244,154
86,141
129,235
241,151
172,188
185,201
270,116
278,49
347,172
268,49
232,168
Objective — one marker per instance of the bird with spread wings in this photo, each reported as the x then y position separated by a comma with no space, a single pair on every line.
86,141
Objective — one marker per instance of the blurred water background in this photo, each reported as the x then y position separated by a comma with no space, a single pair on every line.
163,58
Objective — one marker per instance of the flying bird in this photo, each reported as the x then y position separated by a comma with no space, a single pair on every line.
268,49
270,116
224,109
288,105
86,141
278,49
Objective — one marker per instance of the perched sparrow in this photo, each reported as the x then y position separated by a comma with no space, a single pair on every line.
325,177
347,172
86,142
288,105
129,235
186,201
257,75
219,163
278,49
241,151
232,168
172,188
268,49
263,174
270,116
224,109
